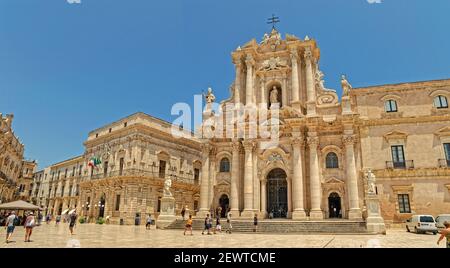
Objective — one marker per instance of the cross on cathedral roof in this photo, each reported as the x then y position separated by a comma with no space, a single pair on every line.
274,20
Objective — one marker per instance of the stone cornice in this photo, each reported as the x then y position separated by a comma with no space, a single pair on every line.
423,173
404,120
390,88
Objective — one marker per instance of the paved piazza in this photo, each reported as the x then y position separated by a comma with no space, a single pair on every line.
101,236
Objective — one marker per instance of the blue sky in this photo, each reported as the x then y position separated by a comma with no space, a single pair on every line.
66,69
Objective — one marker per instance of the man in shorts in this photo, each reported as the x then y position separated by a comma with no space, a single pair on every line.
9,225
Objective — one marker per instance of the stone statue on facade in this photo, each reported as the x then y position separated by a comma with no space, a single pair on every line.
346,87
274,95
167,186
209,97
371,188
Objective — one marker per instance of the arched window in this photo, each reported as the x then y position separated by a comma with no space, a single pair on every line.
390,106
440,102
332,160
224,165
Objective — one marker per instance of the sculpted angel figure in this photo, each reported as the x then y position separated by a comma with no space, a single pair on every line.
346,87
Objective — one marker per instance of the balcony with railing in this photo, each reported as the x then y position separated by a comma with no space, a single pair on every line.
444,163
407,164
185,178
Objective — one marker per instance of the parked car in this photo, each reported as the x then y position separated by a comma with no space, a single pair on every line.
440,219
421,224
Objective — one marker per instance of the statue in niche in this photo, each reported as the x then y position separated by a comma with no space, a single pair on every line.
274,95
210,98
346,87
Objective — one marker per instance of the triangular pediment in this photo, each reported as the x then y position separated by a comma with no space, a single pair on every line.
223,182
396,135
445,131
334,181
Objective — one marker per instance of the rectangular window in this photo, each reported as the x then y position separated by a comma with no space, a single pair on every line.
59,173
196,174
118,202
77,193
105,168
125,124
403,203
62,191
79,171
162,168
65,173
70,190
390,106
447,151
73,172
121,166
398,156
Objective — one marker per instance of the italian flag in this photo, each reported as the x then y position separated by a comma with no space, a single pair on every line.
94,162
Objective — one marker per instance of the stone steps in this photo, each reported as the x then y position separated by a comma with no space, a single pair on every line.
285,226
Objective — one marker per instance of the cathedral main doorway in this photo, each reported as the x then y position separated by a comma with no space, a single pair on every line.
224,203
277,205
334,206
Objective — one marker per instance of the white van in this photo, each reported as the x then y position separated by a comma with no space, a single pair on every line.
421,224
440,219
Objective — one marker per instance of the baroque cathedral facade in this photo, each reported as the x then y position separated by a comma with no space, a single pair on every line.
326,149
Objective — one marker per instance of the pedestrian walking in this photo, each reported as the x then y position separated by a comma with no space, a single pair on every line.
205,228
255,223
58,219
218,225
148,222
29,224
72,221
9,225
183,212
230,226
445,233
210,224
188,226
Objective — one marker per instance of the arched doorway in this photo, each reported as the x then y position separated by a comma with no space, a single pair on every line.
334,206
277,204
101,206
224,203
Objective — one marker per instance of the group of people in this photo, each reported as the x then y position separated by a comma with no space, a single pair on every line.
208,224
11,222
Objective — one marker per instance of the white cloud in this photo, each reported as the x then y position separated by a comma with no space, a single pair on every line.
374,1
79,1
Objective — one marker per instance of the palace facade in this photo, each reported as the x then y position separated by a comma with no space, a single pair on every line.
16,173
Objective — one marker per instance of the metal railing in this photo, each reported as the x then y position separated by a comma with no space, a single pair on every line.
444,163
189,179
407,164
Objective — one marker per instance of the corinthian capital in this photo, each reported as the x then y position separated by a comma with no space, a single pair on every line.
308,54
206,148
298,141
313,142
249,145
349,139
249,61
294,55
236,145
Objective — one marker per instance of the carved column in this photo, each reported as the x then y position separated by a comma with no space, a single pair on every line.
237,83
284,96
204,186
212,178
289,197
234,187
310,89
294,79
297,180
264,198
263,93
314,176
249,146
249,85
354,211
